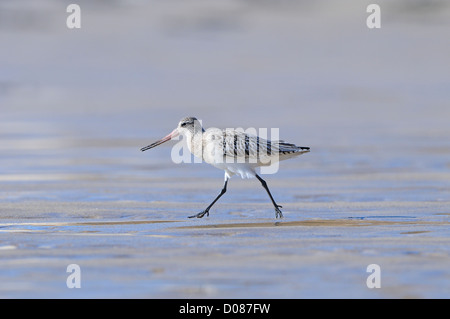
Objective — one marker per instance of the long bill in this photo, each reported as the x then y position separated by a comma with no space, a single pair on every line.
163,140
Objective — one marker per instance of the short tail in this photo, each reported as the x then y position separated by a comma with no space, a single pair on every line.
287,148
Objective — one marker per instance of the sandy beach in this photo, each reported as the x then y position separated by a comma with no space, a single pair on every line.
78,104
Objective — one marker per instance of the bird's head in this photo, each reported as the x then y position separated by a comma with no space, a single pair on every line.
187,126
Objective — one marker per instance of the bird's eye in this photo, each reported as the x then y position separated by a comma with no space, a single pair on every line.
183,124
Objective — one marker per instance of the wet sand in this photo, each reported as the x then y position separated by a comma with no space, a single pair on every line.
76,106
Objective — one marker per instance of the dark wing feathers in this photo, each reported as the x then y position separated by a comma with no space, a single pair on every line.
238,143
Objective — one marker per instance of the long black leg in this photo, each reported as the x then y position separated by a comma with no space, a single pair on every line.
278,212
206,211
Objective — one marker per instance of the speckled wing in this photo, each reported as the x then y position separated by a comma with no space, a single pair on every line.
252,148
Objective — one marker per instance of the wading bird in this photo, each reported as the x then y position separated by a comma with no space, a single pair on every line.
234,151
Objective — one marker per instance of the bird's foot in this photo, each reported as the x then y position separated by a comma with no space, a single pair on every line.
278,213
201,214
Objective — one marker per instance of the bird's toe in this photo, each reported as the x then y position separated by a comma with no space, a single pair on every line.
200,215
278,213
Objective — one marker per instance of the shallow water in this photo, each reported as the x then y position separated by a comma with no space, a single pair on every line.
77,105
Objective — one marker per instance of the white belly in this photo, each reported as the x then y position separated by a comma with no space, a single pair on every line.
244,170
